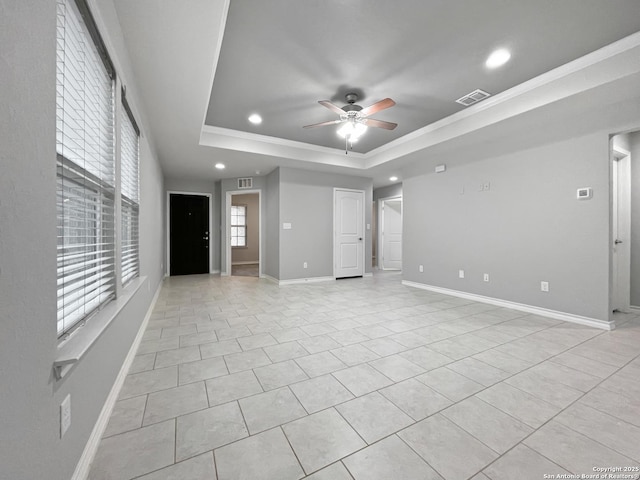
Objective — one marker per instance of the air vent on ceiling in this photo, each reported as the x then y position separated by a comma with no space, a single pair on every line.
245,182
473,97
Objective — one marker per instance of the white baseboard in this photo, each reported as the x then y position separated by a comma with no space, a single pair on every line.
270,278
214,272
368,274
294,281
545,312
248,262
82,468
634,309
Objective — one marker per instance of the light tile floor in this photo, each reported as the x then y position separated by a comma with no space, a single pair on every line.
367,379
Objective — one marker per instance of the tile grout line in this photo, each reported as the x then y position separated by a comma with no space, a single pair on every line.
471,332
293,450
583,394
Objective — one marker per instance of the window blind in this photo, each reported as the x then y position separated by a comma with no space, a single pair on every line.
129,189
85,168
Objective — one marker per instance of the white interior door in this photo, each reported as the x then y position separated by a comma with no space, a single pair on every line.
349,233
391,231
621,227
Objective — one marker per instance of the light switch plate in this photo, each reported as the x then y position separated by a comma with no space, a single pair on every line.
584,193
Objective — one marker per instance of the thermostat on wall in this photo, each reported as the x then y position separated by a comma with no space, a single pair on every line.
584,193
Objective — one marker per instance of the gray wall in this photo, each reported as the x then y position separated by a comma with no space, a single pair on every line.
202,186
528,227
389,191
306,201
634,143
30,397
230,185
271,256
249,253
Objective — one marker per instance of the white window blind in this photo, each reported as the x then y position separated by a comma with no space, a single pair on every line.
85,168
238,225
129,189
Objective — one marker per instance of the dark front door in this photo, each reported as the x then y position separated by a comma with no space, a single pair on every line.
189,234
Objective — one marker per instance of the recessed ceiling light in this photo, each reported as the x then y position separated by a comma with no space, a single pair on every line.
393,179
220,166
255,119
498,58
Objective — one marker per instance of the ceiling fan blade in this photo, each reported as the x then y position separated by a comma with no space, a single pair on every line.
376,107
321,124
331,106
371,122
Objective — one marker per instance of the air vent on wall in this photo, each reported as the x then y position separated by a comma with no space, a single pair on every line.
473,97
245,182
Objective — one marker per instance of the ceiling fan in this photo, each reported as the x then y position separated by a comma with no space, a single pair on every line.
355,118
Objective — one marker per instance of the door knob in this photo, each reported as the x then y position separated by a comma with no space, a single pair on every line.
360,239
617,241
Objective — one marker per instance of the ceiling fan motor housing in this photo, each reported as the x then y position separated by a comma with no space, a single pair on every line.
352,108
351,99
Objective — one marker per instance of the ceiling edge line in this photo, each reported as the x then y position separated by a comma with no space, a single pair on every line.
216,56
259,138
283,149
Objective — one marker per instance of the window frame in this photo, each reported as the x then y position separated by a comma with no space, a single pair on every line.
86,168
129,207
238,225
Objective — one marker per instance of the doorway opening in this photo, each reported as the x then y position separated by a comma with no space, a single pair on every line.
621,227
390,233
244,233
188,238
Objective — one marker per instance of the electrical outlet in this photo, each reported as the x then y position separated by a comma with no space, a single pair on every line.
460,273
486,277
421,268
304,265
65,415
544,286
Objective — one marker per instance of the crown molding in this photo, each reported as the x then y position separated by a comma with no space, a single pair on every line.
278,147
605,65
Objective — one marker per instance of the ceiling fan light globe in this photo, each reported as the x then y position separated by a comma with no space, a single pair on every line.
352,130
360,129
346,129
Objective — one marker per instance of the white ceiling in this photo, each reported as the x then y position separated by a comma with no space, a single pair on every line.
204,65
